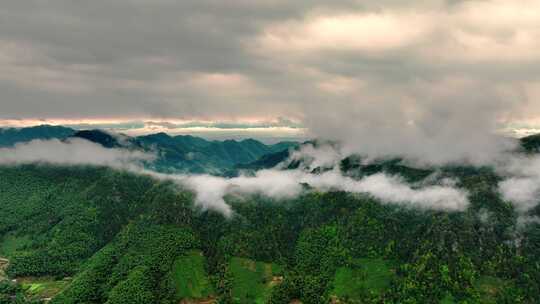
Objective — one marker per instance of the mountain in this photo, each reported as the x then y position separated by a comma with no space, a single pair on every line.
197,155
83,234
178,154
11,136
531,143
100,137
96,235
266,162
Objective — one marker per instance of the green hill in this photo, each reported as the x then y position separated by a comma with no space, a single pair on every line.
96,235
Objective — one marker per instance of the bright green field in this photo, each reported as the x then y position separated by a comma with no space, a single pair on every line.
10,243
42,288
369,276
252,281
190,277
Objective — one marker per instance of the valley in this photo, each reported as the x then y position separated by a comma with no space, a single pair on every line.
270,152
91,234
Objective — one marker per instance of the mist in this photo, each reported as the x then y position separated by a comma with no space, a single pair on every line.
275,183
520,174
73,151
521,185
452,124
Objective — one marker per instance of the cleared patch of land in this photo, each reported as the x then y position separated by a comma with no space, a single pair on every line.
42,288
365,277
190,277
252,280
3,265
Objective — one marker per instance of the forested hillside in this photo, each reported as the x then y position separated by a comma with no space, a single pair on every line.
96,235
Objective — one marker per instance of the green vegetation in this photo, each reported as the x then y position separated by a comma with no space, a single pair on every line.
252,281
42,288
490,288
11,244
96,235
366,277
190,277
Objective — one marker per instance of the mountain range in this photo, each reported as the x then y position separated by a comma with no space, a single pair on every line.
175,154
87,234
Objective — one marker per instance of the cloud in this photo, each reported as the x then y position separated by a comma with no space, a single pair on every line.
324,156
391,189
275,183
429,80
286,184
522,183
72,152
470,31
370,32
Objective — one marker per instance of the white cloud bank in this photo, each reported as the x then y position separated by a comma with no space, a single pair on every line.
72,152
285,184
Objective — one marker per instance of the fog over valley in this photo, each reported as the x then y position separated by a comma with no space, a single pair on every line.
269,152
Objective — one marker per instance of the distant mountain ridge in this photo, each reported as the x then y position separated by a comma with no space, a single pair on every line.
181,153
531,143
11,136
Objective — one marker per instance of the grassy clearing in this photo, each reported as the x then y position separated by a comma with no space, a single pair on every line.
190,277
43,287
11,243
368,276
252,281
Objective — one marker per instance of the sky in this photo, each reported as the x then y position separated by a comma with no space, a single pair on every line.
383,76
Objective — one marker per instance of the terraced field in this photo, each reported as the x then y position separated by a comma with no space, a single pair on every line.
43,288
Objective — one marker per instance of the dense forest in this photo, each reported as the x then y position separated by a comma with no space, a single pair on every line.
97,235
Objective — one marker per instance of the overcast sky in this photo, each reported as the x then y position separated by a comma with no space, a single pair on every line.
433,69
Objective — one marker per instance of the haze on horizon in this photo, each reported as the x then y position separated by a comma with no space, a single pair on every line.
386,77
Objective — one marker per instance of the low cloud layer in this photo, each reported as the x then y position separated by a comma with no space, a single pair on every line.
211,190
72,152
286,184
520,185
